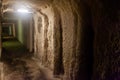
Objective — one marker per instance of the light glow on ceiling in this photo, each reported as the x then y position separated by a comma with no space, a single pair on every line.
23,11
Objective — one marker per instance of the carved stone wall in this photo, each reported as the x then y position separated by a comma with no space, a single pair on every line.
78,39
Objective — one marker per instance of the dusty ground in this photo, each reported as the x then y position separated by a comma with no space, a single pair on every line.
18,64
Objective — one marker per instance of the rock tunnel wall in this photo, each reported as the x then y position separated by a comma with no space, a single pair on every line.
76,30
61,39
44,36
79,40
85,40
106,19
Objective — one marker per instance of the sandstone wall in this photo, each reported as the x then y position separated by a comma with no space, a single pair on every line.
77,49
62,45
44,22
78,39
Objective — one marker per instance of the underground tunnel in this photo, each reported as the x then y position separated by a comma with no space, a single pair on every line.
59,40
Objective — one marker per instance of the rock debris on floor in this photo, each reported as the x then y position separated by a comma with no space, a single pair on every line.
19,64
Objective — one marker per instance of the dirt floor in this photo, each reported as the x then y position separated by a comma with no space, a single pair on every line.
18,64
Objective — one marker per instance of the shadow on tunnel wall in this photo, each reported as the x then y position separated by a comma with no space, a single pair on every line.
86,46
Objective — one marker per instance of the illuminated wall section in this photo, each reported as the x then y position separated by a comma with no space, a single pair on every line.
20,31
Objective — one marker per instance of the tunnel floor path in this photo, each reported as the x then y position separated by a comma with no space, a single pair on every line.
18,63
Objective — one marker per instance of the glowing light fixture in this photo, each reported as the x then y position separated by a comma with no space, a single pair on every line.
23,11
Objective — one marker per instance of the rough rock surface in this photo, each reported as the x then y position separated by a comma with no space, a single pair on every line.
78,39
107,40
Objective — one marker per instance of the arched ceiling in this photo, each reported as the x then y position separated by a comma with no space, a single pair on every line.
12,5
